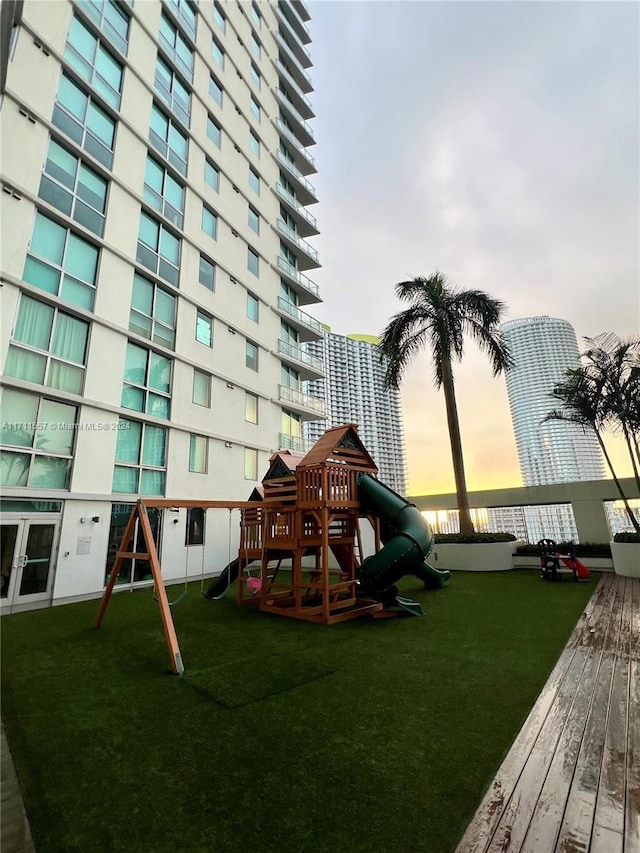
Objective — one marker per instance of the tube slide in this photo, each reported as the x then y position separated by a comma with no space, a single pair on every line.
407,542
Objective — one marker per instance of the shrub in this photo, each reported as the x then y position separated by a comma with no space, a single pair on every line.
459,538
583,549
627,537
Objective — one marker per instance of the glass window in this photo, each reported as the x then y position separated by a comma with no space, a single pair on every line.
207,273
254,106
168,140
201,388
256,79
219,18
256,48
176,47
253,307
212,175
254,220
77,116
251,356
158,249
48,347
196,516
217,52
215,90
172,91
250,408
250,464
254,143
111,19
198,453
140,458
61,263
163,192
253,261
86,55
185,14
147,382
209,222
74,188
254,181
256,17
214,132
42,432
204,328
153,312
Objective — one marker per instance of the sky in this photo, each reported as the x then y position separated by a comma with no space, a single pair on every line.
495,142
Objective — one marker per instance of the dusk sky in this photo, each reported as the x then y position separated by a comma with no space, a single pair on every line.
496,142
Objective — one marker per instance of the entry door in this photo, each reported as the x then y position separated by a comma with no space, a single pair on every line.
27,553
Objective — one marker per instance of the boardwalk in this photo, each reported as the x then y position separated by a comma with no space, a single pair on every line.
571,781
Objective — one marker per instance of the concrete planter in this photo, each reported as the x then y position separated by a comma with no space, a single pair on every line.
474,557
626,558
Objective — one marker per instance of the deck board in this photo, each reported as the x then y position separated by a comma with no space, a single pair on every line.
571,781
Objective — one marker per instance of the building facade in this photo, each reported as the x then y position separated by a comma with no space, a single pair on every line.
543,349
155,176
354,393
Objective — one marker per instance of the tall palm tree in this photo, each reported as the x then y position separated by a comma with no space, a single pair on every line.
438,317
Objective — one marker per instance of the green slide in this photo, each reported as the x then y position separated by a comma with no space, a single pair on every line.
407,539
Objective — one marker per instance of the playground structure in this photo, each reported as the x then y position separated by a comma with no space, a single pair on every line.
550,560
303,531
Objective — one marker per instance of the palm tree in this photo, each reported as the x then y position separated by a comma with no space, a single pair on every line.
583,398
438,317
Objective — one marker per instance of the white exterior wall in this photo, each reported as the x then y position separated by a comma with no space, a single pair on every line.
33,77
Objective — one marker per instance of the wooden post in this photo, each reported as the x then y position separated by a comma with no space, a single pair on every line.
161,593
121,554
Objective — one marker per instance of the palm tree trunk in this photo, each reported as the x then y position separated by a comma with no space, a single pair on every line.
630,447
623,497
466,524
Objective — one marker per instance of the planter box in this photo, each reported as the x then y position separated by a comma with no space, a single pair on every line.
474,557
626,558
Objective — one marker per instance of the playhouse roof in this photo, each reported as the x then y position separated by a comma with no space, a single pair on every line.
282,464
340,444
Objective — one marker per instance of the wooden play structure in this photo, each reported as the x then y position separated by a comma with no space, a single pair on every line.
301,533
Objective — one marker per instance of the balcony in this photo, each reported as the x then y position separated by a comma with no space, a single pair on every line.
304,160
294,442
301,9
295,21
293,40
297,69
299,99
309,329
306,255
307,365
311,408
305,191
306,289
306,223
301,129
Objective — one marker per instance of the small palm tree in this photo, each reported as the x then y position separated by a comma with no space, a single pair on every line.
594,396
438,317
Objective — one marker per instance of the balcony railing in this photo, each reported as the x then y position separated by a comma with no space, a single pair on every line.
300,68
303,128
293,170
296,90
297,398
290,135
294,442
295,204
300,316
301,244
295,43
293,16
298,354
301,9
295,275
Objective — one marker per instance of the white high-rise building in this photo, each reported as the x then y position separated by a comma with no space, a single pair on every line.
354,393
155,176
543,349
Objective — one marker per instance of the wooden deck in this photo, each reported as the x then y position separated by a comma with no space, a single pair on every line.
571,781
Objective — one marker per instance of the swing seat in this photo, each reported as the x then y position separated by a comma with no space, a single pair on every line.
254,585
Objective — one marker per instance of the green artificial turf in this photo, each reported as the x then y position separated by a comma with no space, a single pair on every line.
283,736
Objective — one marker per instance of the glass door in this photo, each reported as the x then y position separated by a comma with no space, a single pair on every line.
27,552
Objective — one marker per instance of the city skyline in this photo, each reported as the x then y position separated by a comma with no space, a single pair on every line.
508,161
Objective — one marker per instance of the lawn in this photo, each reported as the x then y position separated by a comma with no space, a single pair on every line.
283,736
